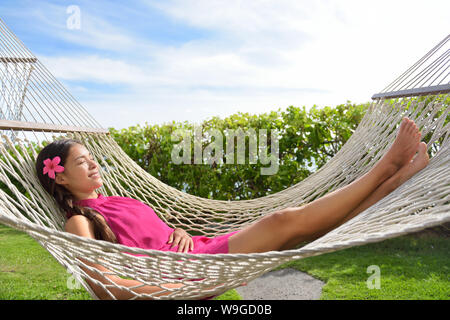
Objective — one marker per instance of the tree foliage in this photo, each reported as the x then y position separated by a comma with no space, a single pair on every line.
307,140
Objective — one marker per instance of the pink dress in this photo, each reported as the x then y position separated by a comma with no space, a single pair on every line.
135,224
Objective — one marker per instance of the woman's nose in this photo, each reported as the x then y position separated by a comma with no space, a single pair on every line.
93,164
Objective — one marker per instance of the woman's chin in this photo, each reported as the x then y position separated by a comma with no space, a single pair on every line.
98,183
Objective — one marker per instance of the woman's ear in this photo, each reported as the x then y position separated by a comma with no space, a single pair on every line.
60,178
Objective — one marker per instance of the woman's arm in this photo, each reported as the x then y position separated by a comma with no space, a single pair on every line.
83,227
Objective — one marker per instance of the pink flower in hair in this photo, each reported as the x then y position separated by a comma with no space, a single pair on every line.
51,166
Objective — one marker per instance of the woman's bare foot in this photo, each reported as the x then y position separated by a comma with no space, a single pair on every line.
419,162
404,147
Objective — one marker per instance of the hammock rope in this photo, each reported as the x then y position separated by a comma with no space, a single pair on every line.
25,101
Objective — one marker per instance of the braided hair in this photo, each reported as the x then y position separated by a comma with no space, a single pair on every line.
64,197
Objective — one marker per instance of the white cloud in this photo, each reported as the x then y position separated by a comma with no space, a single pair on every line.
352,48
261,55
94,68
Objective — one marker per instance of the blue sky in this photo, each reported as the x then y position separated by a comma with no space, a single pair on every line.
142,61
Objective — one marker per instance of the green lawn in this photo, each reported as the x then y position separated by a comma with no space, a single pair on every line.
410,268
28,271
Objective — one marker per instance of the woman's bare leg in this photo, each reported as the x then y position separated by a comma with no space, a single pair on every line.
419,162
275,230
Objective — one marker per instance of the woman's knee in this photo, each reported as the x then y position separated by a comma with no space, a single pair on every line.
289,224
284,218
291,220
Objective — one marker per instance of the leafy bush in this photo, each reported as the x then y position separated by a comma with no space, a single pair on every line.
307,140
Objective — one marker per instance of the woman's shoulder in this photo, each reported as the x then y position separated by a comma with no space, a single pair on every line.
123,199
79,225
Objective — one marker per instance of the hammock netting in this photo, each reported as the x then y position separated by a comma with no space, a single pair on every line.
36,108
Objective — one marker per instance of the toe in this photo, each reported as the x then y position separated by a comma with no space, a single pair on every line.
408,126
423,146
412,126
404,124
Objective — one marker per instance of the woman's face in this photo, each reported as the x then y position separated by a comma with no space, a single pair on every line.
81,174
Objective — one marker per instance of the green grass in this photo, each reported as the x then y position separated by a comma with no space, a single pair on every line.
28,271
410,268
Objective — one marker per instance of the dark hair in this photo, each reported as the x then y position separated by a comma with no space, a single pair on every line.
64,197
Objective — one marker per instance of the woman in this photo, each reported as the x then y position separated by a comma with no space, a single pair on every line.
69,173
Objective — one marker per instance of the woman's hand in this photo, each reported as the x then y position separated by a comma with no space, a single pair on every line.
181,238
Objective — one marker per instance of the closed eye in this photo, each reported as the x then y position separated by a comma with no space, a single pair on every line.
92,159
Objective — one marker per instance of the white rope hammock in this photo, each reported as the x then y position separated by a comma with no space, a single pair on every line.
29,92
